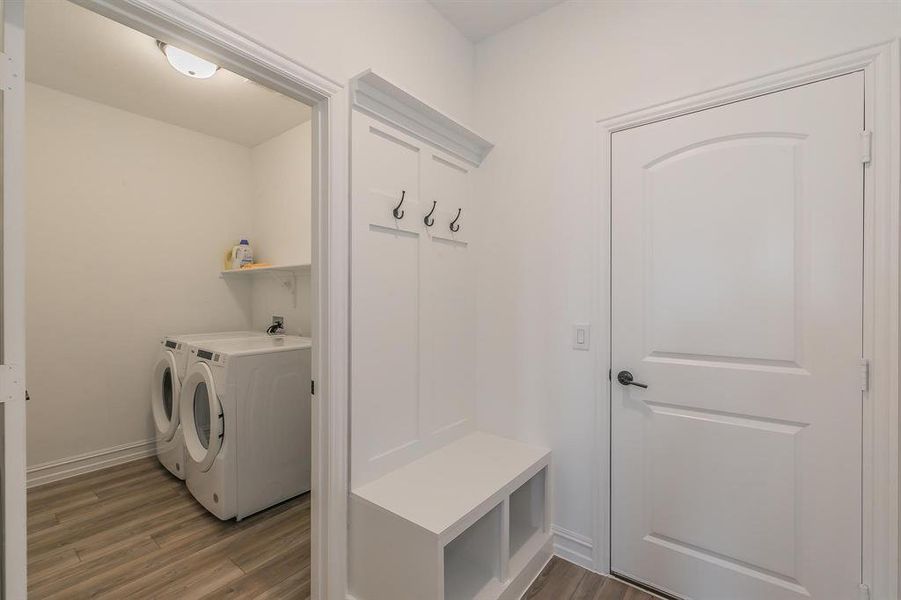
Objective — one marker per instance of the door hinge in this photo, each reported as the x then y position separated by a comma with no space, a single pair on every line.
313,387
864,591
866,146
864,375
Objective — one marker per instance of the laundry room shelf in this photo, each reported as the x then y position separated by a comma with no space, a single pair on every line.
272,269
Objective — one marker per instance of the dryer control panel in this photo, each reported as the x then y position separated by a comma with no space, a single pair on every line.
207,355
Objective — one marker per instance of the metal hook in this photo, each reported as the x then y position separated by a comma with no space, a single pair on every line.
453,224
429,222
399,204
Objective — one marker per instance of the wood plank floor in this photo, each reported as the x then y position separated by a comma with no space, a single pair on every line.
134,531
562,580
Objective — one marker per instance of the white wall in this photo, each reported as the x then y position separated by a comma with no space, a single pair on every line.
128,219
540,87
406,41
281,230
282,210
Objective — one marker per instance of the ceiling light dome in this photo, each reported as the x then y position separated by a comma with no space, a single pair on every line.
186,63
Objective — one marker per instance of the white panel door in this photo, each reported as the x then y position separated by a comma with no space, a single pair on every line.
737,272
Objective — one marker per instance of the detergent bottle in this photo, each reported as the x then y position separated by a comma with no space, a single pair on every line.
241,255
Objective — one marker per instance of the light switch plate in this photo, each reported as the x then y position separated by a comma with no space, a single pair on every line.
581,336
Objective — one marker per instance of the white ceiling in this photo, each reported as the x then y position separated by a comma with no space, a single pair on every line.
74,50
479,19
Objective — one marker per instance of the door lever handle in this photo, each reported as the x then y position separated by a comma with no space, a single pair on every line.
625,378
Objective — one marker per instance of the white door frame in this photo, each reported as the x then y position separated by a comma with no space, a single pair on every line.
882,260
12,371
190,29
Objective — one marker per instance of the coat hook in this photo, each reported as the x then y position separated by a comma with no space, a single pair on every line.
399,215
453,224
429,222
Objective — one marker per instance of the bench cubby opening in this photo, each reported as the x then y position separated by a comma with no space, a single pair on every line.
528,517
472,560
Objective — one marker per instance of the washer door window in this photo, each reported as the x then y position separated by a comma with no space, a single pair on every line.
201,416
164,394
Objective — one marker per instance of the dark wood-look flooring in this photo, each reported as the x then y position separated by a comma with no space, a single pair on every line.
562,580
134,531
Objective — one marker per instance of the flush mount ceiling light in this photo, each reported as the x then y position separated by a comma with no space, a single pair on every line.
186,63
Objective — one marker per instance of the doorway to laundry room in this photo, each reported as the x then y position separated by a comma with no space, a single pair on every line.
170,319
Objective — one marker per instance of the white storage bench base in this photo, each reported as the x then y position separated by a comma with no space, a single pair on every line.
469,521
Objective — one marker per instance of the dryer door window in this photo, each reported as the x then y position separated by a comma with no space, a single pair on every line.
164,391
167,393
202,416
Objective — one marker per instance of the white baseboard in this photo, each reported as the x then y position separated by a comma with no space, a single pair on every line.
91,461
573,547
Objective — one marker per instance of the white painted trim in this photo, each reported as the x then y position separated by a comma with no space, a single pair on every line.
72,466
13,505
882,256
573,547
331,357
191,29
383,100
882,332
177,23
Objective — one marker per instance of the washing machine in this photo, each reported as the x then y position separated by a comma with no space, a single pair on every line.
245,411
168,372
